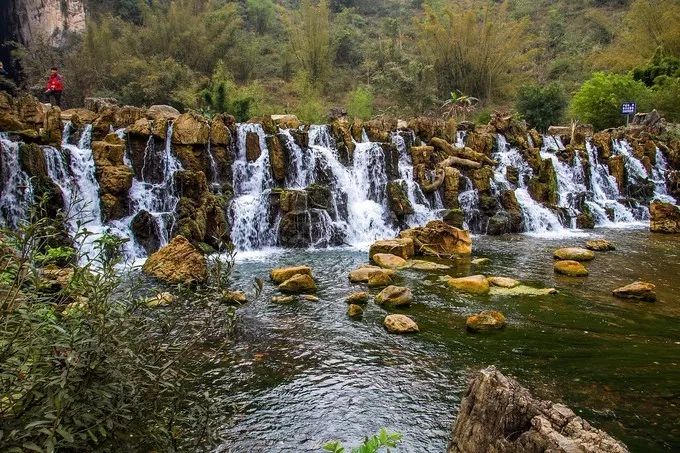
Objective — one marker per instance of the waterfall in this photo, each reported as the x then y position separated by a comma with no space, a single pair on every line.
536,217
460,139
16,191
634,167
424,211
250,208
469,204
301,165
659,177
605,193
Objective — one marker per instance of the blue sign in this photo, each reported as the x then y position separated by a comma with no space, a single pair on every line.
628,108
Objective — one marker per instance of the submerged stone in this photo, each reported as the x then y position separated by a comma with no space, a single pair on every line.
475,284
521,290
298,283
309,298
486,320
281,274
637,290
574,254
571,268
234,297
422,265
400,324
354,311
480,261
379,279
600,245
358,298
161,300
389,261
394,296
503,282
283,299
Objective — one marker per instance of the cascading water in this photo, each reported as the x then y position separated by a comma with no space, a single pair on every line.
423,209
469,204
252,226
659,177
16,192
536,217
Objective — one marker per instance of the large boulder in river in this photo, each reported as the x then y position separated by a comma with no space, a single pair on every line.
298,283
177,262
637,290
389,261
364,273
475,284
570,268
499,415
665,217
574,254
439,239
281,274
402,247
400,324
394,296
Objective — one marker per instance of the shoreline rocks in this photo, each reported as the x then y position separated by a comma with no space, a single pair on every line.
665,218
497,414
298,283
363,273
439,239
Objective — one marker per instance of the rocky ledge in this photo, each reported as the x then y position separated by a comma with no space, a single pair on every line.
497,414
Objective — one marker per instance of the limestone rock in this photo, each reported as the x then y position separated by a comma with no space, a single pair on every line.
637,290
475,284
665,217
422,265
439,239
521,290
177,262
600,245
389,261
398,199
379,279
363,273
253,149
574,254
54,278
486,320
358,298
402,247
190,129
298,283
570,268
354,311
480,261
394,296
281,274
162,112
286,121
160,300
400,324
499,415
503,282
283,299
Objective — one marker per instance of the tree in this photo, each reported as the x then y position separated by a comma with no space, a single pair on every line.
599,99
309,36
360,104
478,53
261,14
542,106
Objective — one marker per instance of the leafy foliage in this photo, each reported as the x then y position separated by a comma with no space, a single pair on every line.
542,106
370,445
360,104
599,99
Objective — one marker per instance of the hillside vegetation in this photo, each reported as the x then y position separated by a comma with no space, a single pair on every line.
395,57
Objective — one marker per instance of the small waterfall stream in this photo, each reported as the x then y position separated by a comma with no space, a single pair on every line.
16,192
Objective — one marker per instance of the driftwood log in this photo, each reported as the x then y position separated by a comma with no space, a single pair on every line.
499,415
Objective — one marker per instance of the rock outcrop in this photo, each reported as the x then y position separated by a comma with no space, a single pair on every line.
665,218
486,320
402,247
394,296
439,239
498,415
177,262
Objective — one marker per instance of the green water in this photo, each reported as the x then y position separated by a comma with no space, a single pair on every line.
299,375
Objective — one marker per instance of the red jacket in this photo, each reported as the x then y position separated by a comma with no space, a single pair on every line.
55,83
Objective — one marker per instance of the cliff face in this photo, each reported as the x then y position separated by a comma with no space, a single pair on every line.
26,20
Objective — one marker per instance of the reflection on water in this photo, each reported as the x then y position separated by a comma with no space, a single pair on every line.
302,374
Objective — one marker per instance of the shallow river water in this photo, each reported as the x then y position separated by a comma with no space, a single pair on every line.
299,375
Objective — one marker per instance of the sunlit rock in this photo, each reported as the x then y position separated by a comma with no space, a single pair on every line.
402,247
394,296
298,283
574,254
665,217
475,284
570,268
281,274
439,239
503,282
400,324
600,245
177,262
389,261
363,273
637,290
486,320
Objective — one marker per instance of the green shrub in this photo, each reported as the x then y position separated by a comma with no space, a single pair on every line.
88,366
542,106
370,444
360,104
599,99
665,97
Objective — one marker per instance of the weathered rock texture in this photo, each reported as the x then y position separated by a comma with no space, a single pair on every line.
177,262
498,415
665,217
439,239
26,20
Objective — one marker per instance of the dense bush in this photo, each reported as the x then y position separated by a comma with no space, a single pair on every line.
542,106
360,103
87,365
599,99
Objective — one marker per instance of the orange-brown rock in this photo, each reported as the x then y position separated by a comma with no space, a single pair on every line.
665,217
177,262
439,239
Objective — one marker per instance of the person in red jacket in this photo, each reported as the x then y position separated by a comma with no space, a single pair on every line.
54,87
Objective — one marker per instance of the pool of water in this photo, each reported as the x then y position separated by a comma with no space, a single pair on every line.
299,375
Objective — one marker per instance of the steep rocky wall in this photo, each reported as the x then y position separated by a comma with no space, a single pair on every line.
26,20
